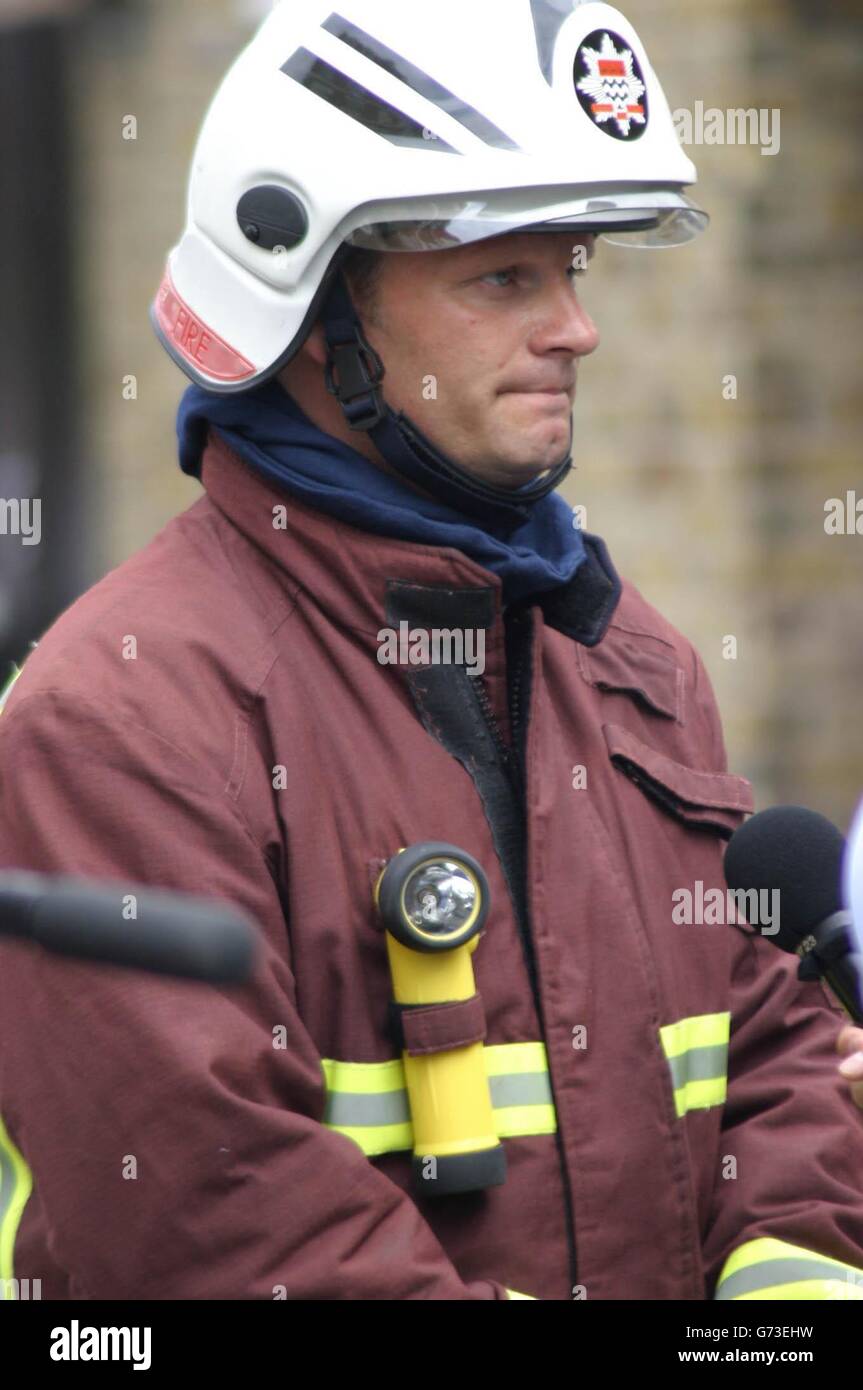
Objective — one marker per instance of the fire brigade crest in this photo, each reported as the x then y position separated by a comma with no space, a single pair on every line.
610,85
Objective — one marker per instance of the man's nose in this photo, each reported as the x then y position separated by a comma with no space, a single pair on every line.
566,325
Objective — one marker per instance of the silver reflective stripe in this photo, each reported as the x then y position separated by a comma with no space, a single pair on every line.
7,1188
350,1108
696,1049
368,1102
699,1064
529,1088
768,1273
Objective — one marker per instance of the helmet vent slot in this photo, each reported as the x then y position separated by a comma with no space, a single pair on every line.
420,82
357,102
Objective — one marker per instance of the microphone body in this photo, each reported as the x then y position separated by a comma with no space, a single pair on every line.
827,953
140,927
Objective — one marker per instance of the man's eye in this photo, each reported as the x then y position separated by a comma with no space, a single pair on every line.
498,275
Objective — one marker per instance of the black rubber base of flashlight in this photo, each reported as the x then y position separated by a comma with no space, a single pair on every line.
471,1172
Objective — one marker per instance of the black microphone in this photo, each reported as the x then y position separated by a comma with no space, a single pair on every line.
799,853
169,934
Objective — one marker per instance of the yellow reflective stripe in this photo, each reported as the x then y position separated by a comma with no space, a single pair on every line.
774,1269
377,1139
702,1030
510,1121
514,1293
368,1078
16,1184
515,1058
379,1125
700,1095
368,1101
696,1050
16,672
4,693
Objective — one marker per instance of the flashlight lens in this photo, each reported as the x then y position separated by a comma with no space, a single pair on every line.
439,897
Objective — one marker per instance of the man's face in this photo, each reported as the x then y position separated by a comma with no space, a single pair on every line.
481,345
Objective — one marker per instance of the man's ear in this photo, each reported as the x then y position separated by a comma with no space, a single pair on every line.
316,345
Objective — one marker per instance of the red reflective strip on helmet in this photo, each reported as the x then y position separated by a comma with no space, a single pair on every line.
198,344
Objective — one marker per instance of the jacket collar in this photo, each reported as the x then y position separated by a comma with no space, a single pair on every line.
351,572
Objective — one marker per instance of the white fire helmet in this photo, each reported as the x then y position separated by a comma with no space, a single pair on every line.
397,126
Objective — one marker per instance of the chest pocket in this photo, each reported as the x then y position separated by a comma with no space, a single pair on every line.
712,801
715,801
640,669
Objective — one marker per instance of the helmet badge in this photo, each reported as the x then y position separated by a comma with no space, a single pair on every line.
610,85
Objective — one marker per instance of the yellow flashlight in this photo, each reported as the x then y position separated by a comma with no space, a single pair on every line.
433,901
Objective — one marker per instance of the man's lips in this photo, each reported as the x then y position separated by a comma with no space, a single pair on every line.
552,392
553,389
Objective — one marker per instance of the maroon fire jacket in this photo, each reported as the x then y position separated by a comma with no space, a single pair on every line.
212,717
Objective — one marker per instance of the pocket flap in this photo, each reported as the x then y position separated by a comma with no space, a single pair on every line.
645,671
715,800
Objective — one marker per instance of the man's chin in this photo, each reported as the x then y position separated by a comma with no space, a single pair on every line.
539,442
515,472
527,456
509,456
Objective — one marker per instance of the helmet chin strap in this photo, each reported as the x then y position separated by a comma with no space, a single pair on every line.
354,375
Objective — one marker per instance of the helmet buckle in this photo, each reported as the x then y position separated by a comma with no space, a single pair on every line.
353,375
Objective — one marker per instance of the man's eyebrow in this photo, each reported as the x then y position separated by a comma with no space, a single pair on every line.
486,251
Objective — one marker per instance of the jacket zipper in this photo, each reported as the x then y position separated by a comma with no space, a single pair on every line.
508,756
512,759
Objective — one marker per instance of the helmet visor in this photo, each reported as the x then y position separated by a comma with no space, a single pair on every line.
655,218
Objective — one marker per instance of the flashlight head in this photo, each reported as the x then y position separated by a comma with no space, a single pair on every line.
433,897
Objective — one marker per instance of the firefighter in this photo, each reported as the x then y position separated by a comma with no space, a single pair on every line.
376,301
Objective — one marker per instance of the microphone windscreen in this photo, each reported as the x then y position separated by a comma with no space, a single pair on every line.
797,852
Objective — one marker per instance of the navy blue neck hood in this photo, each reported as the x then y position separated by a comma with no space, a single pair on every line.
273,436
